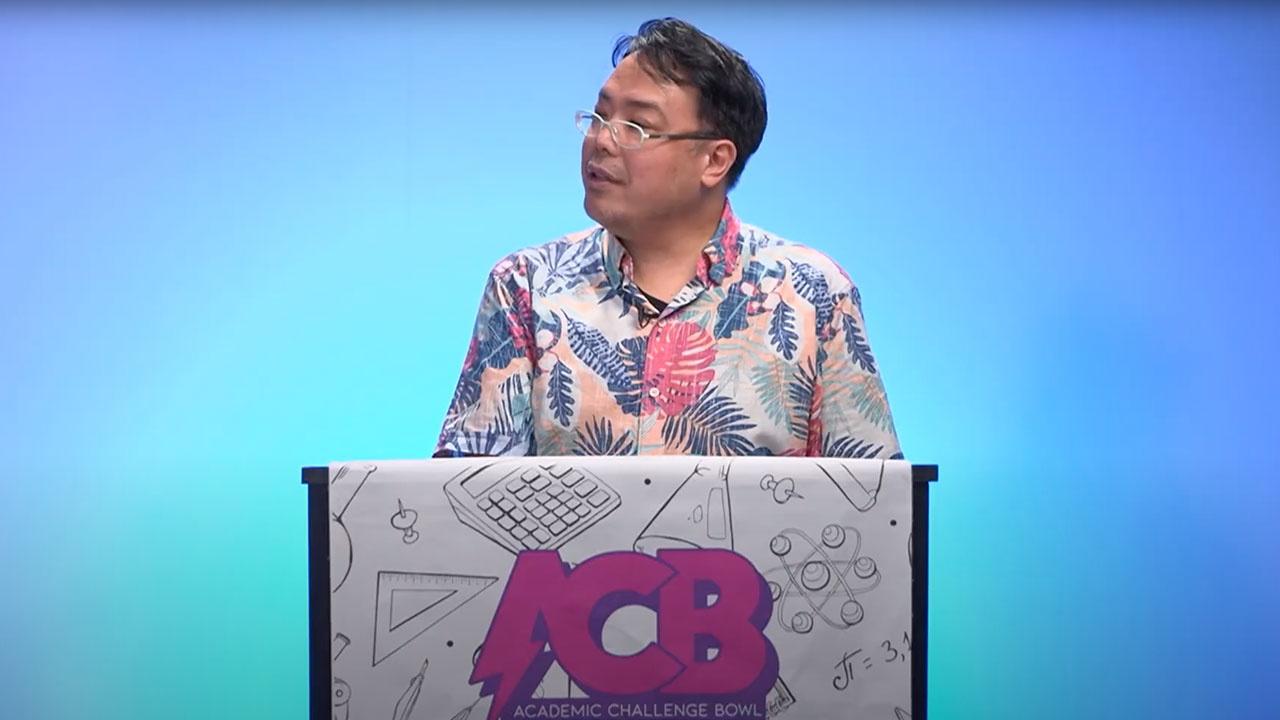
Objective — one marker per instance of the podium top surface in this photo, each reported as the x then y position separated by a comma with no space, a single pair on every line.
318,474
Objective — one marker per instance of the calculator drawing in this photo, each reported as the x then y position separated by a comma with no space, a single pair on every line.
534,507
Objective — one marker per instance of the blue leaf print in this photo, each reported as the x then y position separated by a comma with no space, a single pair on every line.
800,397
755,242
594,349
848,447
599,440
809,282
811,285
567,263
857,345
731,314
782,330
629,396
515,412
618,374
468,391
755,272
626,292
489,441
733,311
559,393
497,348
709,426
552,326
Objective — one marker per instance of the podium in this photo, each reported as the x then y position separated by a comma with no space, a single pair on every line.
645,588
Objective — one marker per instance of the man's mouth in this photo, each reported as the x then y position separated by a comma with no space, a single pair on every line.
595,172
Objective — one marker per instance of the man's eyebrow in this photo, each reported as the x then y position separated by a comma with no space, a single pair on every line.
636,104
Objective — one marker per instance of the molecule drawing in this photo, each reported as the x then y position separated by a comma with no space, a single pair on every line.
820,580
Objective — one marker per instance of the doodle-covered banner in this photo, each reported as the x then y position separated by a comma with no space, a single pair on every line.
650,588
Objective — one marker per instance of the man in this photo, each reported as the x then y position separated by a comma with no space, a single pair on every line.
672,326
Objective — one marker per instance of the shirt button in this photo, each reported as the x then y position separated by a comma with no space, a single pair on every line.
653,392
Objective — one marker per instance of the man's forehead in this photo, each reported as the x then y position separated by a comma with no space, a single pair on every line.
632,86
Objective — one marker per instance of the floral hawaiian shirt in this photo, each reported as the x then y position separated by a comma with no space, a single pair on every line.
763,352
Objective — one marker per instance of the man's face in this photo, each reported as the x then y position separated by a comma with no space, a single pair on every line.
627,190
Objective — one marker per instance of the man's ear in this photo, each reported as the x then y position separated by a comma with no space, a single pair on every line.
721,155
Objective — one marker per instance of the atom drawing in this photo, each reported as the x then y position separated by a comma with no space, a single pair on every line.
820,580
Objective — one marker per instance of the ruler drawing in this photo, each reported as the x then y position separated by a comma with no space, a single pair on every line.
407,604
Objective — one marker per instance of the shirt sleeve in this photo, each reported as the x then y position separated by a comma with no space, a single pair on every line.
851,407
491,412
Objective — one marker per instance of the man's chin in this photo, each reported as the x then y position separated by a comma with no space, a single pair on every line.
611,221
596,211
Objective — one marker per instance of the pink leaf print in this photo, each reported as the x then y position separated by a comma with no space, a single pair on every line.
678,364
813,446
520,320
731,242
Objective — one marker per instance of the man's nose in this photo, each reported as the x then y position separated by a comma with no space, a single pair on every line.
604,140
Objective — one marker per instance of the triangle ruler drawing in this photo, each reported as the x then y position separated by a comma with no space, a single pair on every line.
409,603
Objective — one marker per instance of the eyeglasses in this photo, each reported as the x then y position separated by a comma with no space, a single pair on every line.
629,135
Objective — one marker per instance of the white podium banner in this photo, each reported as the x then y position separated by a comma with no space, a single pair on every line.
638,588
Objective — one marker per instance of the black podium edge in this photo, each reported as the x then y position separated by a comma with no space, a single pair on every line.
921,476
317,481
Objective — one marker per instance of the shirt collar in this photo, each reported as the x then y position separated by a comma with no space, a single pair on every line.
718,260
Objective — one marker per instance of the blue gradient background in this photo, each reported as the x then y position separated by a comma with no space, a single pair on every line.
235,242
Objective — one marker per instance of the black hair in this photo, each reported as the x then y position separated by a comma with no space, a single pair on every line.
730,94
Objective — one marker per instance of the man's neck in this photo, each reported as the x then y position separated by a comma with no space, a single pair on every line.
665,258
